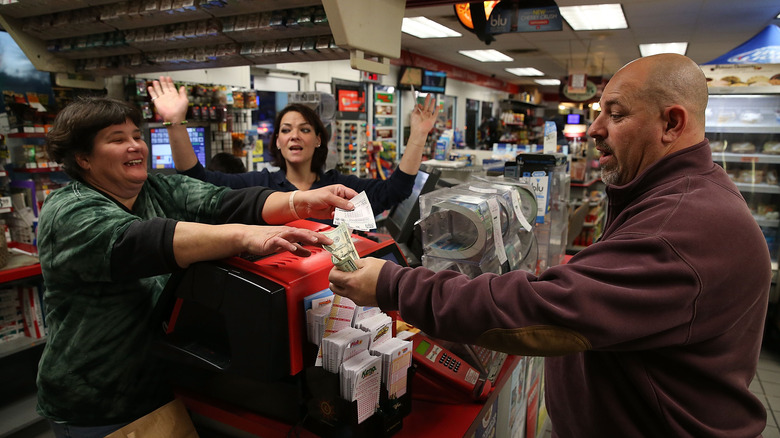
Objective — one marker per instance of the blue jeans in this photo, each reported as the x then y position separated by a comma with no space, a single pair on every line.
62,430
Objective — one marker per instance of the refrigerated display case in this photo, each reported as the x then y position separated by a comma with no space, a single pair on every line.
743,127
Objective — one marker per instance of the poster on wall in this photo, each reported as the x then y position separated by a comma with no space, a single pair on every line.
734,77
17,73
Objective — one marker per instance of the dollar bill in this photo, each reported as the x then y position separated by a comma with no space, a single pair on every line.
346,265
343,253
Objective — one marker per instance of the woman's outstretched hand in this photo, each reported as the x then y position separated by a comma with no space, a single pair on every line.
171,104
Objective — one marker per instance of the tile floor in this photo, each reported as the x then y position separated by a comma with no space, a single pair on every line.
766,386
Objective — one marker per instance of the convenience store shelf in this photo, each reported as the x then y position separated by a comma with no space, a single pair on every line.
730,157
744,128
18,415
758,188
14,346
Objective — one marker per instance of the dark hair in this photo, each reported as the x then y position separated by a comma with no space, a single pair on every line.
76,126
320,153
226,163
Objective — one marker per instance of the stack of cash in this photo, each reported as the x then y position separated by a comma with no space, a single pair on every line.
342,250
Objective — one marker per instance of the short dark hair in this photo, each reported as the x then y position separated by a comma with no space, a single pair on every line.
76,126
227,163
320,153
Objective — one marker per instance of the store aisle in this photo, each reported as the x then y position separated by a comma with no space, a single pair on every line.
766,386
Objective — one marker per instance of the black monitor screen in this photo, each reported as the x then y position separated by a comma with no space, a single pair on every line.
390,253
400,221
433,81
160,156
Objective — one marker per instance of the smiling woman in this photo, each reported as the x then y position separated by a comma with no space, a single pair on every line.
116,165
92,122
108,242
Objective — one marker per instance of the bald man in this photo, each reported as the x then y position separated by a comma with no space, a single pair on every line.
653,331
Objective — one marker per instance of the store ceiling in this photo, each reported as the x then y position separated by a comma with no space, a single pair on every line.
711,28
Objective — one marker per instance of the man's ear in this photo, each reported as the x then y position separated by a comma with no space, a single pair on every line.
675,121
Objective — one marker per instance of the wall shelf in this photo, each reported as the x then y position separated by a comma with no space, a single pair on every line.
109,40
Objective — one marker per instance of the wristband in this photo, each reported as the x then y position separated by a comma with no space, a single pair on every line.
292,205
167,124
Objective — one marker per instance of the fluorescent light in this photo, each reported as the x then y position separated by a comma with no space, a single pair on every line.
656,48
594,17
524,71
422,27
548,81
489,55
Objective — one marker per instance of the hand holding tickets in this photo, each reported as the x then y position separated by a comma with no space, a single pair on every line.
359,218
344,254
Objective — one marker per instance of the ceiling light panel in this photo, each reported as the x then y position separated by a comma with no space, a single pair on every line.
595,17
489,55
422,27
548,81
656,48
524,71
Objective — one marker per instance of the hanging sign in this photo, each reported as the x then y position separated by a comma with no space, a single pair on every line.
578,83
539,19
508,18
463,12
590,92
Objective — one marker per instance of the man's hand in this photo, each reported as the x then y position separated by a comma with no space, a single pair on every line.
359,286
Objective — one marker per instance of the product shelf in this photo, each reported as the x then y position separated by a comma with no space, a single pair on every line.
742,128
27,135
730,157
18,415
758,188
16,345
38,169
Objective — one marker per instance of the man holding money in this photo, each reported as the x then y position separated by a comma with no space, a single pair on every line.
653,331
343,252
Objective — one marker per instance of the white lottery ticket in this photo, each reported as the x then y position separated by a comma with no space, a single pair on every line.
361,218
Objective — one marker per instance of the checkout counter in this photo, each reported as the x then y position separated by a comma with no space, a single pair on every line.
235,336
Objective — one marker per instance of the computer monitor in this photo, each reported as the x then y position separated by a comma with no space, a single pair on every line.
160,156
400,221
574,119
350,99
433,81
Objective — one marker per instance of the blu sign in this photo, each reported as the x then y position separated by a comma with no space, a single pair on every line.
524,20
